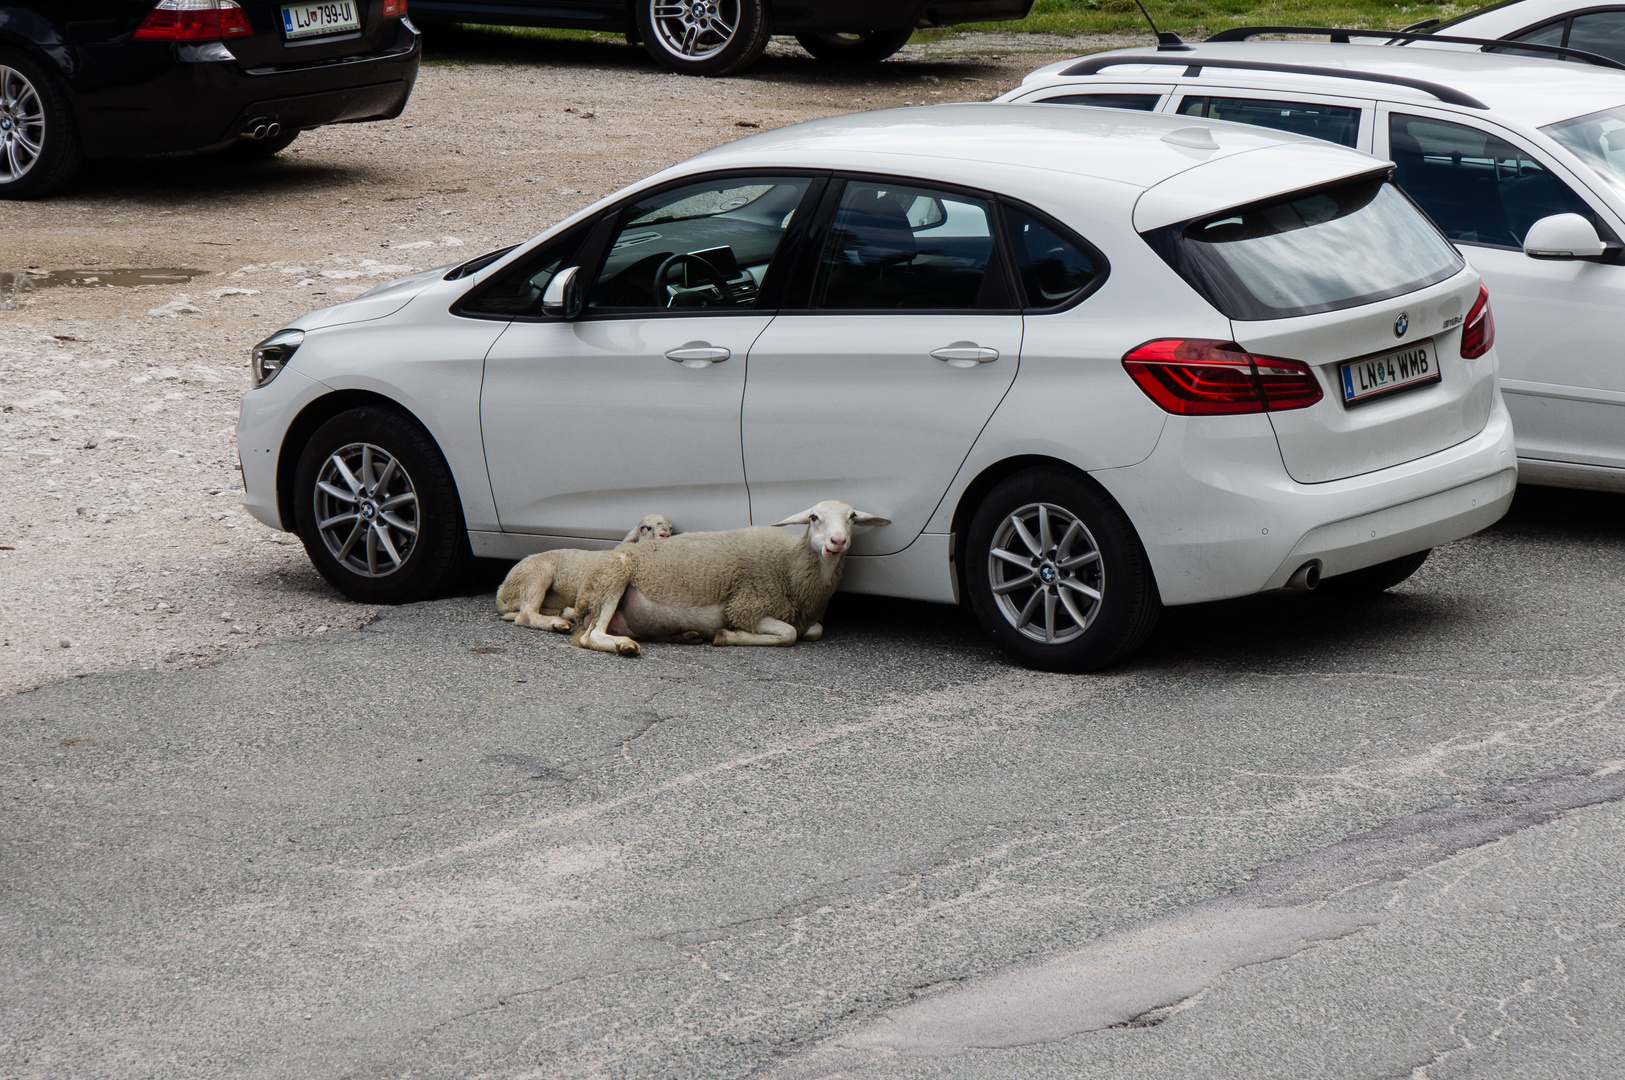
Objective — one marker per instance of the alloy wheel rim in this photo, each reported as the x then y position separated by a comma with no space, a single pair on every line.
366,510
22,125
1046,573
695,29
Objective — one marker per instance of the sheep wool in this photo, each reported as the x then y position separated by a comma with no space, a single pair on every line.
545,583
755,573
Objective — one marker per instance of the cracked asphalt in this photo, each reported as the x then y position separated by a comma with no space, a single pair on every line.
445,846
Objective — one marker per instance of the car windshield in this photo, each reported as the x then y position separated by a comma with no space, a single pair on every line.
1598,139
1321,251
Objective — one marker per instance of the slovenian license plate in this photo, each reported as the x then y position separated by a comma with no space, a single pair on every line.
1403,369
312,20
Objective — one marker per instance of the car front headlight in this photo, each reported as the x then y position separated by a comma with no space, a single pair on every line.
272,354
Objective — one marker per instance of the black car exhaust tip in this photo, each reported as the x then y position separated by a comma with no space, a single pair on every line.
261,127
1305,577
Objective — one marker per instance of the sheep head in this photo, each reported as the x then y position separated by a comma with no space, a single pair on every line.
829,528
653,527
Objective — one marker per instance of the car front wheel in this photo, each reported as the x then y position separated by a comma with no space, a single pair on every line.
39,147
866,47
703,37
1055,571
377,508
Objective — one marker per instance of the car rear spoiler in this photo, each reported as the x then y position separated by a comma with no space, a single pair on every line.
1341,37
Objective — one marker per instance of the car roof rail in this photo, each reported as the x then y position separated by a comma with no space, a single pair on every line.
1341,37
1193,65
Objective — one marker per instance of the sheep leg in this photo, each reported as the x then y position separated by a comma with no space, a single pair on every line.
598,637
530,602
768,632
813,632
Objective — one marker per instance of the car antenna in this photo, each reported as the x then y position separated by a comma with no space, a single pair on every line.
1166,42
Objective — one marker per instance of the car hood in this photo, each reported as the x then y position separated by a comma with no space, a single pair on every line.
386,299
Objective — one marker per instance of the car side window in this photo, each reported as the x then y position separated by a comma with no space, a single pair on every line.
1054,266
704,246
1135,102
1334,123
1477,187
1600,32
898,248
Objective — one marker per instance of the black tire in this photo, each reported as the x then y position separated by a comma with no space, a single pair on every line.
714,49
260,149
866,47
1375,579
39,145
1113,626
405,568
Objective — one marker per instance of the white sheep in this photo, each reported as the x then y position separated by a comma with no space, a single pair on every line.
757,586
541,590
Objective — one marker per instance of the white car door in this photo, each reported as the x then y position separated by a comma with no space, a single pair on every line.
908,339
632,408
1560,324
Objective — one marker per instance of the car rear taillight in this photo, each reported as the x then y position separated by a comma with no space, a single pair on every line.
1201,377
1478,334
194,20
393,8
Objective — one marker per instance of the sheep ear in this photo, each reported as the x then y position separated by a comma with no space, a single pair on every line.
795,519
860,518
631,536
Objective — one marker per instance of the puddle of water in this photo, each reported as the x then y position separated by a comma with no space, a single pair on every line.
125,277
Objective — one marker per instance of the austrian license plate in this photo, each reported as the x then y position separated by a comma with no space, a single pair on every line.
1376,376
313,20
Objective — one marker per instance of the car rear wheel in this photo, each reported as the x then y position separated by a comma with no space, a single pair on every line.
39,148
1055,571
1375,579
703,37
377,508
866,47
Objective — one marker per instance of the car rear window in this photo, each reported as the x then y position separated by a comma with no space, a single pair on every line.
1324,250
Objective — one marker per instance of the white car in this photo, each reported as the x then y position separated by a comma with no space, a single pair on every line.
1521,162
1088,363
1594,28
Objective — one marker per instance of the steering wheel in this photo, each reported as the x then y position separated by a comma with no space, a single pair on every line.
706,269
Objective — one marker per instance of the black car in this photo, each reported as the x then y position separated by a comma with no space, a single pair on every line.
128,78
719,37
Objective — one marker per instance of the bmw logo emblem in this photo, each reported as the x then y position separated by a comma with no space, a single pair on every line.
1402,324
1047,574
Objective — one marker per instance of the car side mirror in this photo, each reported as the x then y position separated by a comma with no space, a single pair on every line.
1563,236
562,297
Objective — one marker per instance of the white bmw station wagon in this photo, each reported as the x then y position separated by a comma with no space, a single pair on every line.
1087,362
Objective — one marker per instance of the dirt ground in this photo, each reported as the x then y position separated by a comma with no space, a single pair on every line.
121,539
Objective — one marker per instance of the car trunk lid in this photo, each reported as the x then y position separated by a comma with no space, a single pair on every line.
290,34
1414,393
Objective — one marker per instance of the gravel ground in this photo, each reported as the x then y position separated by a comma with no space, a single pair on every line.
121,541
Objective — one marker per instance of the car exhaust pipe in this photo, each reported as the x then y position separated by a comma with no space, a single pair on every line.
1305,577
262,127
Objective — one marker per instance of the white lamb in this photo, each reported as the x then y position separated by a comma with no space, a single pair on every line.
541,590
757,586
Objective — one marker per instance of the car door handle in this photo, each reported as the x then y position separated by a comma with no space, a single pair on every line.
698,354
965,354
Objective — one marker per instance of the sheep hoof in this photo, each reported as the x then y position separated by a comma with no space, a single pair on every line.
690,637
627,647
721,638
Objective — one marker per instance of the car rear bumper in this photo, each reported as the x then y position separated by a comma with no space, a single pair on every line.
1219,517
206,105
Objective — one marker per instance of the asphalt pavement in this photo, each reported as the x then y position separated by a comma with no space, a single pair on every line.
1296,836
